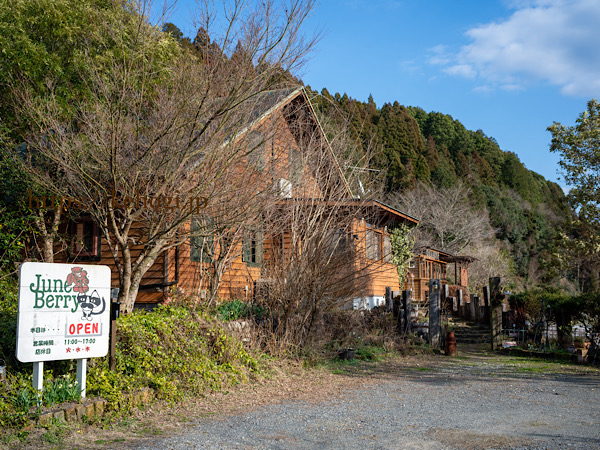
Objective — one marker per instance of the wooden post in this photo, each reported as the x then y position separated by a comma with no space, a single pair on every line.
113,345
445,296
407,308
495,313
388,299
434,313
114,314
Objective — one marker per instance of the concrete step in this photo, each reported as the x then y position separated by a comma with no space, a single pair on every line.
471,332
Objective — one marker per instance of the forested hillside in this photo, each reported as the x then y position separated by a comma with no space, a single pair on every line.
414,146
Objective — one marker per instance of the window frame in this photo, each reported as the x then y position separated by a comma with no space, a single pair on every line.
256,150
387,248
208,241
253,247
78,232
373,241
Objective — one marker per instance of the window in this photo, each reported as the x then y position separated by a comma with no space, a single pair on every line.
86,239
373,245
336,240
252,247
387,249
202,243
296,166
256,150
411,264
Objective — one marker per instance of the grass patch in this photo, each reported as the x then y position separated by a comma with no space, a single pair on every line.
56,433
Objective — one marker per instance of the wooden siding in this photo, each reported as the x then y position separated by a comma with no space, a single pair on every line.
174,269
374,275
426,268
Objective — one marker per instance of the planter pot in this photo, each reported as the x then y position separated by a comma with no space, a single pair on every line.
346,353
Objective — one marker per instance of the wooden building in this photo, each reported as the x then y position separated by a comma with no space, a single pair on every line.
281,158
430,263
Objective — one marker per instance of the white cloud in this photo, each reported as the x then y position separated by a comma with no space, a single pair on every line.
465,70
549,41
439,55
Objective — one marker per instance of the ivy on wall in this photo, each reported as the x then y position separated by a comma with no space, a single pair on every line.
402,244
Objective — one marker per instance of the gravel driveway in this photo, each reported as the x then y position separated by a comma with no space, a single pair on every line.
476,401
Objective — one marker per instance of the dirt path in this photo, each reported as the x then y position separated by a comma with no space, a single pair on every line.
477,400
474,401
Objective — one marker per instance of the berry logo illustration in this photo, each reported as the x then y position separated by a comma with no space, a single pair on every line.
90,304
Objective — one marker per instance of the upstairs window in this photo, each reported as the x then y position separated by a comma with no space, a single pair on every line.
252,247
296,166
202,243
86,242
336,240
256,150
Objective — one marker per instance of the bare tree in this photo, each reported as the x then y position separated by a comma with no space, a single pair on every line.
450,222
155,137
316,257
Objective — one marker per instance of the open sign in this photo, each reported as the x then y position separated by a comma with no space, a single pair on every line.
64,311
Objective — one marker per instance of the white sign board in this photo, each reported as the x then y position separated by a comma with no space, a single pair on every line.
64,311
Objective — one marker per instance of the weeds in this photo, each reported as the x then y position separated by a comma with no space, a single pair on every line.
237,309
56,433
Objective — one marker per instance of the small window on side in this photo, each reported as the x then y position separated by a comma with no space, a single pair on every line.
86,241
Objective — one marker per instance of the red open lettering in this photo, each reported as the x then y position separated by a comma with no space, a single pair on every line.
84,329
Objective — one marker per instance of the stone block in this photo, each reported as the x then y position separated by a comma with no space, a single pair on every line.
582,355
59,415
100,406
89,410
70,413
29,427
80,411
45,419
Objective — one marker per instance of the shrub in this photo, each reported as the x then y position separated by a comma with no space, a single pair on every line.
173,350
237,309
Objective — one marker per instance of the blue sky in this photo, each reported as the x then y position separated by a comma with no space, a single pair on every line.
507,67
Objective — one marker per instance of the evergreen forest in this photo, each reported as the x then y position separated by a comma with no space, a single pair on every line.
414,147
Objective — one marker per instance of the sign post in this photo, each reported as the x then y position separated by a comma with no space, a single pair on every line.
38,376
82,375
64,313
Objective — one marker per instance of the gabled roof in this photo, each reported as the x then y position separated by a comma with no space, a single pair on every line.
266,103
270,101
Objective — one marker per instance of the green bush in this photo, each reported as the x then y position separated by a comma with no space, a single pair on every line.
369,353
173,350
237,309
9,291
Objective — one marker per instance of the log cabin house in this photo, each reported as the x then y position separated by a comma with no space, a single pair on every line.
284,162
